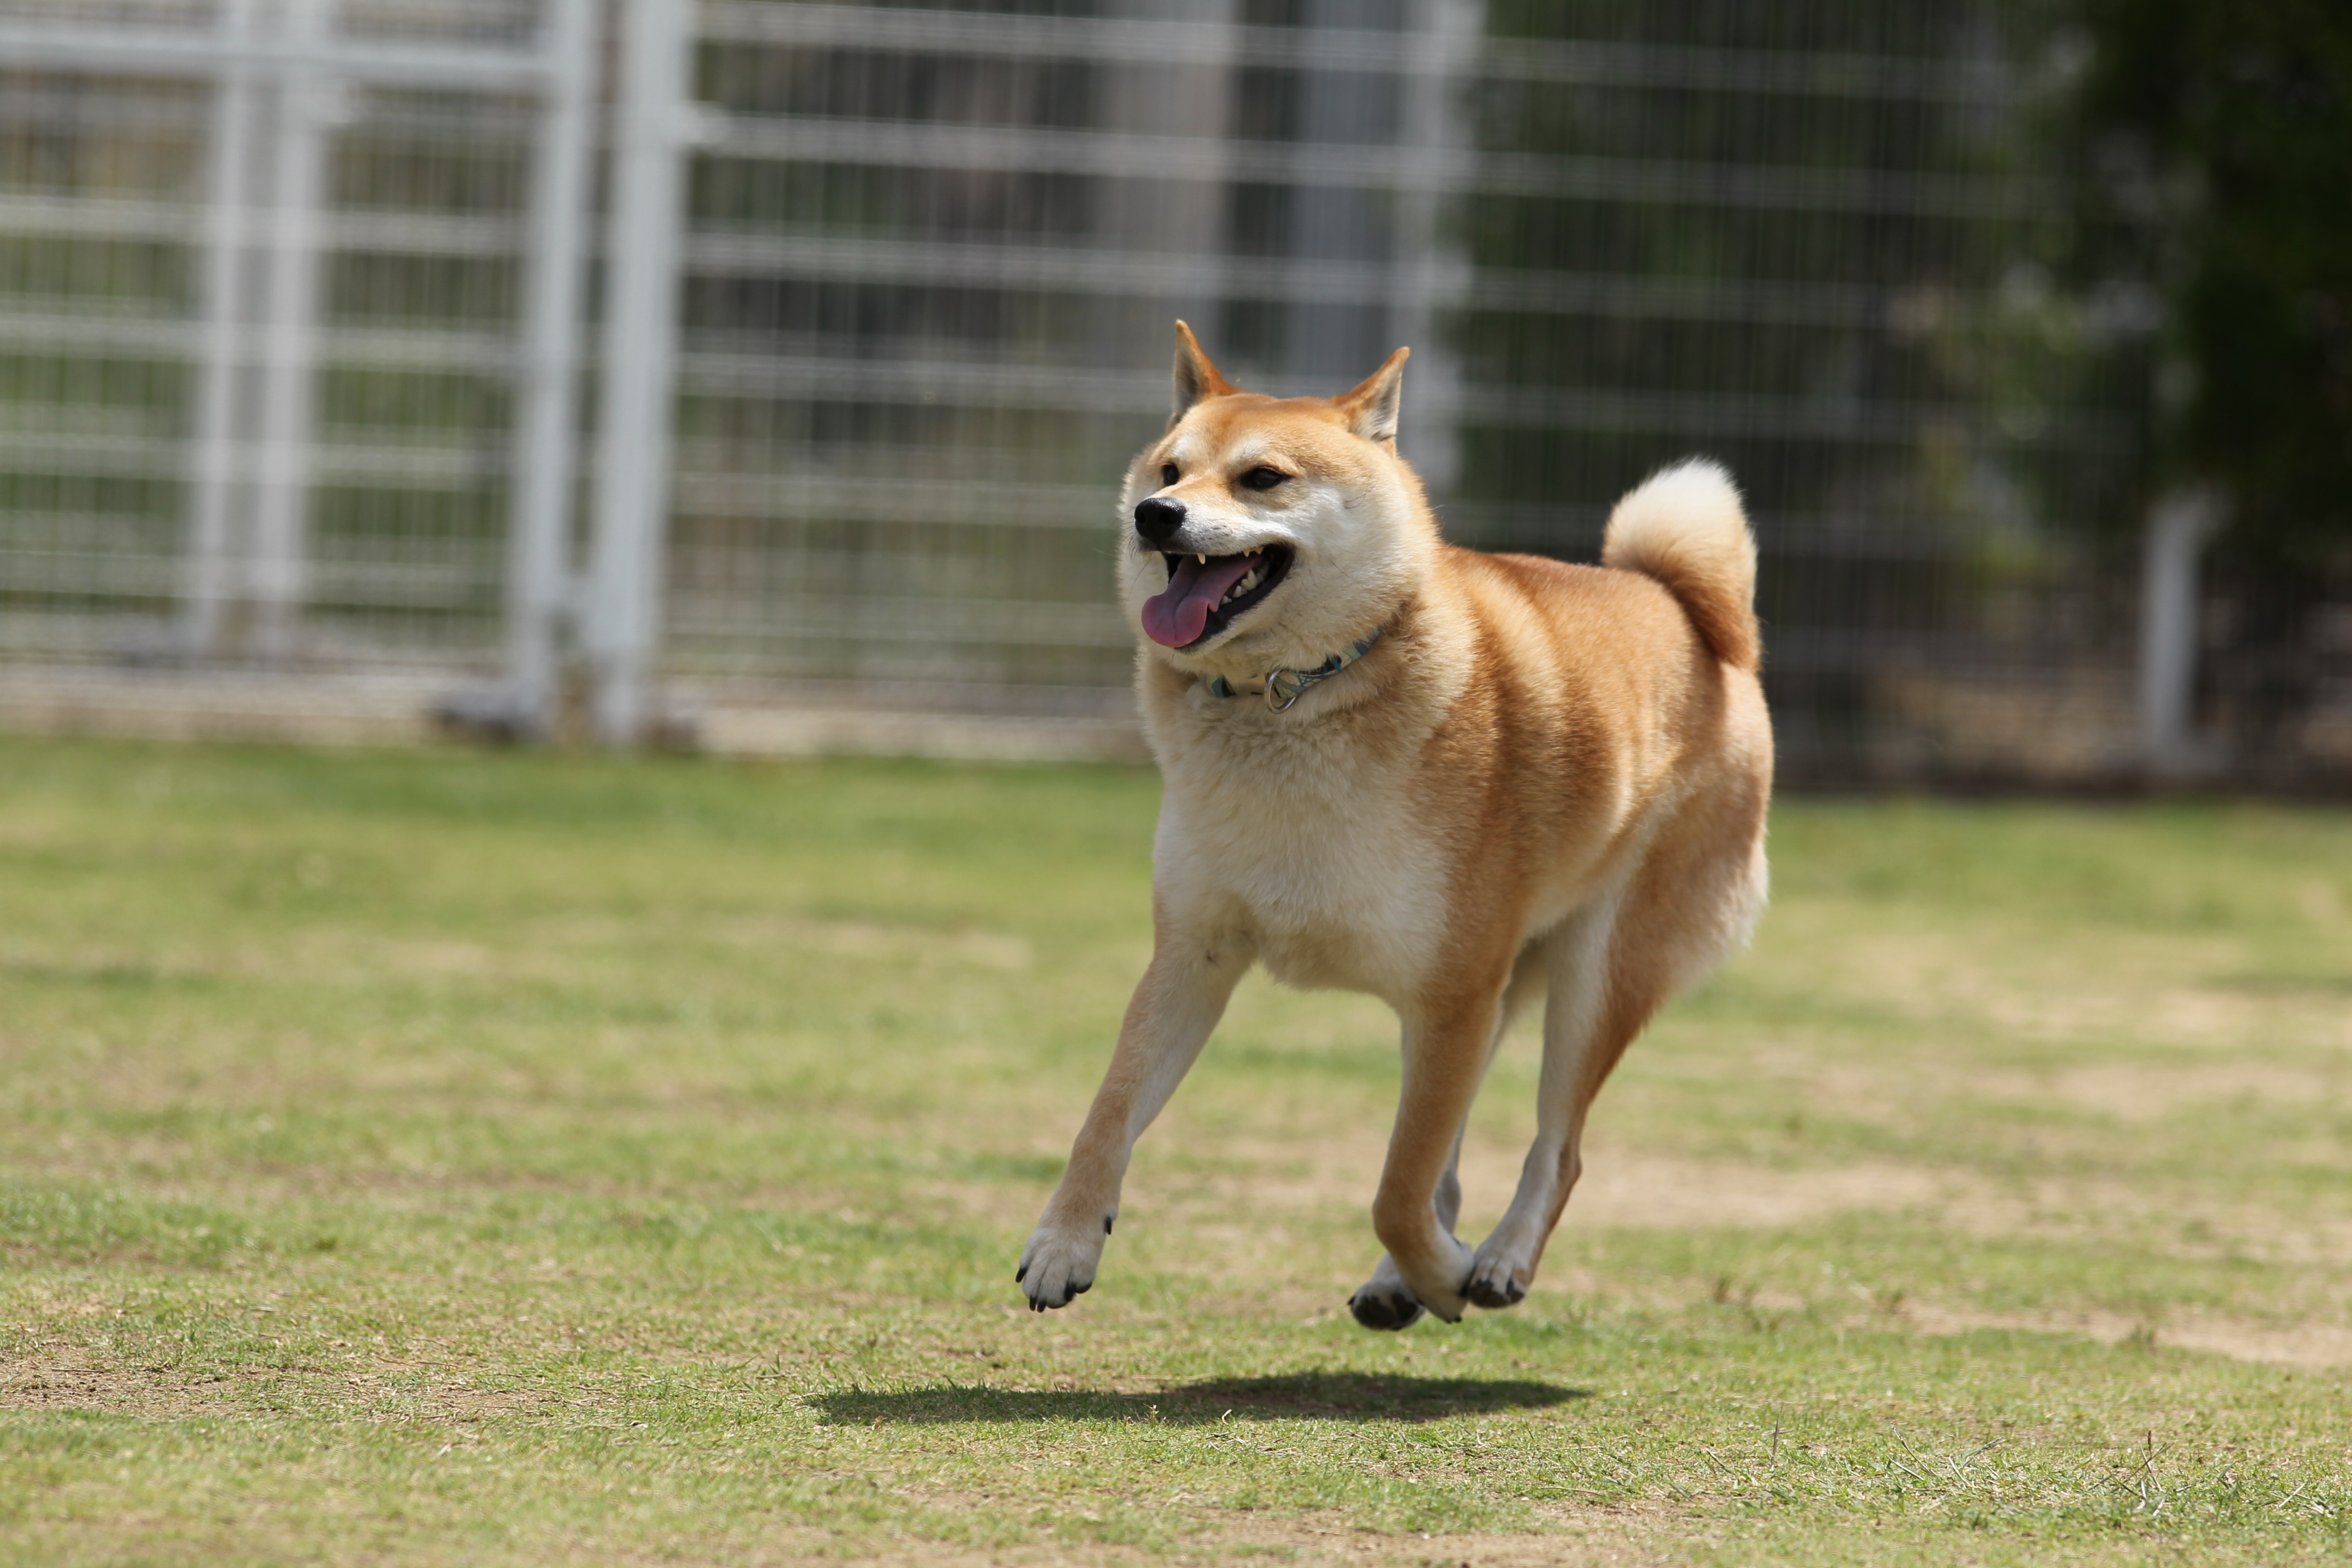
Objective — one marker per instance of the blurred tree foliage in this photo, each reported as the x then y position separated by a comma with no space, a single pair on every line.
2220,133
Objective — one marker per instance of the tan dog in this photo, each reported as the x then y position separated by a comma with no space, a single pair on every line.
1449,779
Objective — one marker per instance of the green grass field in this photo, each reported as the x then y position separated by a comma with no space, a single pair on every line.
519,1159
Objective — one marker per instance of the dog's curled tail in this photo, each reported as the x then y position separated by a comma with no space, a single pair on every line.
1684,526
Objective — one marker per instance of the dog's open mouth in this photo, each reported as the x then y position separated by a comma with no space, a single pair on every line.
1204,592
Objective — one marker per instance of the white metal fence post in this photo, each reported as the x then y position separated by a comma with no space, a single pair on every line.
1327,343
1429,275
307,107
2177,529
546,414
207,575
641,301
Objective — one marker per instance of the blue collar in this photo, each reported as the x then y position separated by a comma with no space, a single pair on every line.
1285,686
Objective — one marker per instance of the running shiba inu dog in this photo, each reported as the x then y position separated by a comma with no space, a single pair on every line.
1453,780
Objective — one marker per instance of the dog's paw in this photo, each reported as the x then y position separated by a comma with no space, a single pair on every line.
1057,1266
1386,1301
1496,1279
1438,1282
1379,1306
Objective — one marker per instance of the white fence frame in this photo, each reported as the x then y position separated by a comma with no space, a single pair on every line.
289,61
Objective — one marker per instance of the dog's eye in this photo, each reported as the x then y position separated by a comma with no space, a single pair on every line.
1167,475
1263,478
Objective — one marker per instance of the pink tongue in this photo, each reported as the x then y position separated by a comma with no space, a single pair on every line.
1176,616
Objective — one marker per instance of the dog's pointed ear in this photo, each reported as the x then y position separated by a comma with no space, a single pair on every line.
1371,407
1196,378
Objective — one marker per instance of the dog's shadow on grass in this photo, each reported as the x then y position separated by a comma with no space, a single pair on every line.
1301,1396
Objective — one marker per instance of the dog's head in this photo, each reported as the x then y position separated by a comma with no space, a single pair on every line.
1265,534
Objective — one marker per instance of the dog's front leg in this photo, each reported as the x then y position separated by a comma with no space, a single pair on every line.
1446,1048
1179,999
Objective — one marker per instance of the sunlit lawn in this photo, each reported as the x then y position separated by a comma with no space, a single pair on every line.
528,1159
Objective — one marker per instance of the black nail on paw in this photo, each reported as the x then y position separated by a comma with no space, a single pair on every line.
1021,1274
1106,1219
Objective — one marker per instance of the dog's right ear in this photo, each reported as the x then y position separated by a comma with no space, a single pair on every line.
1196,378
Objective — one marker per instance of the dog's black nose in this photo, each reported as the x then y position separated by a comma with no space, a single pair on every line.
1158,518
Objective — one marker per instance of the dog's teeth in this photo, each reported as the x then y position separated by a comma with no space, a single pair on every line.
1204,560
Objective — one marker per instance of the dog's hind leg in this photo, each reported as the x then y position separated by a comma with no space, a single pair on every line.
1385,1300
1178,1001
1585,1031
1613,964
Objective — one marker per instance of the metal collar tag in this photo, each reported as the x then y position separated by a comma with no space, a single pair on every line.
1284,688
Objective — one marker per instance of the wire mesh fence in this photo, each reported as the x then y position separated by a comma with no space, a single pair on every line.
300,365
257,336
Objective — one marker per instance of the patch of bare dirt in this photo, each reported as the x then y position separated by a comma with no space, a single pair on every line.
1634,1536
1626,1539
2313,1345
2146,1092
149,1391
1642,1190
69,1384
2169,990
1611,1538
2189,1223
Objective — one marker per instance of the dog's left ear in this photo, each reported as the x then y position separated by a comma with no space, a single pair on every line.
1371,407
